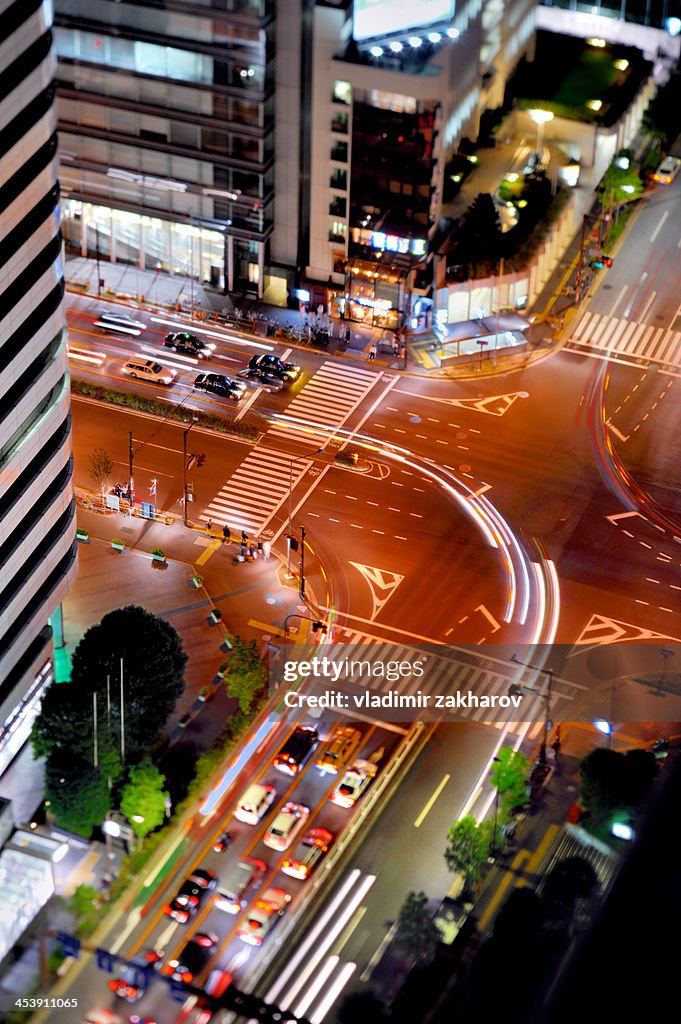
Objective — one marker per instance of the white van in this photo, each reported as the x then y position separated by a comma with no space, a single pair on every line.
255,803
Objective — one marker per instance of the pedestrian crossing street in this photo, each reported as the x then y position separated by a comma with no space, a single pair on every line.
328,398
628,337
260,486
453,671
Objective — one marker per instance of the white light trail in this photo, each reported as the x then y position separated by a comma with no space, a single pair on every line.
333,993
317,985
213,334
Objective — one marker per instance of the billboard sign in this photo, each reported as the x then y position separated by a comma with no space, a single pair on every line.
373,18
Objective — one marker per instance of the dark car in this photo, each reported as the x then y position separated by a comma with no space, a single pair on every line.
297,750
204,877
286,372
258,378
187,902
191,961
218,384
182,341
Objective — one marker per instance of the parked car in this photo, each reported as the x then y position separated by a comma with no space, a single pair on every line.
182,341
307,853
286,826
354,783
149,370
218,384
262,916
286,372
297,750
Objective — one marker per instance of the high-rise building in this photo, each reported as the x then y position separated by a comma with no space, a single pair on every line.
37,508
166,135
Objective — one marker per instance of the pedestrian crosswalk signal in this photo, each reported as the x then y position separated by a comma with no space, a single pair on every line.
293,543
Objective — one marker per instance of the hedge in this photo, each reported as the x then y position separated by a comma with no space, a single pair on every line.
157,407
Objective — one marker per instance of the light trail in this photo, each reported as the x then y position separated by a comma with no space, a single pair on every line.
333,993
209,805
213,334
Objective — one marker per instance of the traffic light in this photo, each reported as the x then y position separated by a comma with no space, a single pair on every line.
292,543
70,944
597,264
319,627
191,461
200,459
607,260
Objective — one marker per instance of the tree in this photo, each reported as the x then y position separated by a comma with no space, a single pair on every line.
84,904
143,797
100,467
77,793
510,773
417,934
247,677
467,849
361,1007
614,786
481,230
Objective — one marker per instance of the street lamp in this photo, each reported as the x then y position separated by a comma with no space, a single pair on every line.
493,850
546,697
317,625
185,435
296,458
540,118
604,727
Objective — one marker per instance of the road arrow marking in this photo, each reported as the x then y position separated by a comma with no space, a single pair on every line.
490,618
616,432
623,515
381,582
492,405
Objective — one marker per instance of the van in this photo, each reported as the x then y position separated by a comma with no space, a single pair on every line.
339,749
255,803
242,878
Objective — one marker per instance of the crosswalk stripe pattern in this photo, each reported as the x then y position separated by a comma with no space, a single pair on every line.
254,492
330,395
259,487
628,337
448,675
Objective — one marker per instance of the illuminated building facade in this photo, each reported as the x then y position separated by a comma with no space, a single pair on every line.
37,508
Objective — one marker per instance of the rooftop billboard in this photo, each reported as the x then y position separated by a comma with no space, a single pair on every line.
373,18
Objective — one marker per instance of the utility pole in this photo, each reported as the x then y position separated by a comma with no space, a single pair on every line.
122,718
99,276
131,482
546,697
301,590
185,435
580,262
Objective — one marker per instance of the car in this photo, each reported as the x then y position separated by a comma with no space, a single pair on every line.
339,749
126,990
154,957
262,916
354,783
186,902
238,883
119,323
101,1016
307,853
207,940
149,370
136,1019
218,384
258,378
182,341
255,803
204,877
286,372
667,171
297,750
286,826
184,721
223,842
191,961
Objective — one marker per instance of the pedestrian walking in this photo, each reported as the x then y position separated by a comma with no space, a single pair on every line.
226,534
372,353
243,551
347,335
244,537
260,552
396,347
266,549
556,745
251,550
209,525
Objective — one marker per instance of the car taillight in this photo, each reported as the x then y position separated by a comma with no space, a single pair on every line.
167,910
187,977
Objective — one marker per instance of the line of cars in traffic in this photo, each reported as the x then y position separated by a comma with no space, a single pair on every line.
238,888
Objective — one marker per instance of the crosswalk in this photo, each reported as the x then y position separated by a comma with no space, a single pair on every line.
328,398
448,672
260,486
628,338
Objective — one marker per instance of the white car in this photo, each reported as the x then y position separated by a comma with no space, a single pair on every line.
262,916
355,781
148,369
667,171
286,826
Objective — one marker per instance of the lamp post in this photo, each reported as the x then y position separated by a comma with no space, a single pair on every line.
296,458
317,625
606,728
493,849
540,118
185,435
546,697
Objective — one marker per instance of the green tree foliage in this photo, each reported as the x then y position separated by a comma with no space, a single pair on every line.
614,785
247,675
143,797
100,467
84,904
467,849
662,116
361,1007
619,184
153,672
417,934
77,792
510,773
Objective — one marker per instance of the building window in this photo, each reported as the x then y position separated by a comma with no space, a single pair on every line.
342,93
338,206
339,152
340,124
337,231
339,179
